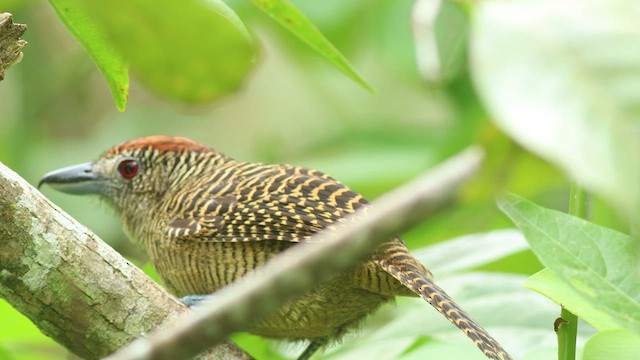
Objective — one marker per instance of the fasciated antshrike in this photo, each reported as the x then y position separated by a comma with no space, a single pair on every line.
205,220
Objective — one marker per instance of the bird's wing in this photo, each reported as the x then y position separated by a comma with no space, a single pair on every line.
279,203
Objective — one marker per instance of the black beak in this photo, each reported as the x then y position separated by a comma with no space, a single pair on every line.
77,179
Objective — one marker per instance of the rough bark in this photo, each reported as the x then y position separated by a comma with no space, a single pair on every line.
239,305
10,43
72,285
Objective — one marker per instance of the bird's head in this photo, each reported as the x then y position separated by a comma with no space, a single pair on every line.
136,173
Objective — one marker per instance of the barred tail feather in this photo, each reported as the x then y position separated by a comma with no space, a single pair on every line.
399,263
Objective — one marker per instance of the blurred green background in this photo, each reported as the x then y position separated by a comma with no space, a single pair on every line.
56,110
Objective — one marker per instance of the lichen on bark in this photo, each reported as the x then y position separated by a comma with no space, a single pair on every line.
10,43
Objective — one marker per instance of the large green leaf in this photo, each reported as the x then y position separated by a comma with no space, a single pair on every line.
103,52
292,19
471,251
613,344
598,263
193,50
551,286
563,79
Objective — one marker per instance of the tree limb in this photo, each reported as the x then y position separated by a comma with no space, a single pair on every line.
10,43
72,285
239,305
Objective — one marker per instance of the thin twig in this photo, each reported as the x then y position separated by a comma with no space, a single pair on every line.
297,269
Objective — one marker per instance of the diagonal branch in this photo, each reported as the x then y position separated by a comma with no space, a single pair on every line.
72,285
297,269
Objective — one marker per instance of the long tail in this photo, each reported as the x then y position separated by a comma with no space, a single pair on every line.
395,259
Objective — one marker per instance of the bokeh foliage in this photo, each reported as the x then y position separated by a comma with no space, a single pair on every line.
293,107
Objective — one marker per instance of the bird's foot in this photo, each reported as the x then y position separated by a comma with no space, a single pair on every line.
195,300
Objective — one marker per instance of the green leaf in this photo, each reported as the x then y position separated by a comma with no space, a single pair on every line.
614,344
194,50
472,251
292,19
103,53
598,263
550,285
564,81
441,30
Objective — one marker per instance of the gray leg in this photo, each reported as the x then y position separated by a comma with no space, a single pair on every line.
314,346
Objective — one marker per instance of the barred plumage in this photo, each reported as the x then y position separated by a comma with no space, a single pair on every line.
395,259
206,220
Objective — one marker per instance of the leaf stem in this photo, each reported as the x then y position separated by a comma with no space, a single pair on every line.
568,329
578,201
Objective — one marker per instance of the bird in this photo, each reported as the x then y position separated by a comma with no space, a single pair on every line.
206,220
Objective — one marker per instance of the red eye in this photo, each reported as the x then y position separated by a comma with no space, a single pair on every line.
128,168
